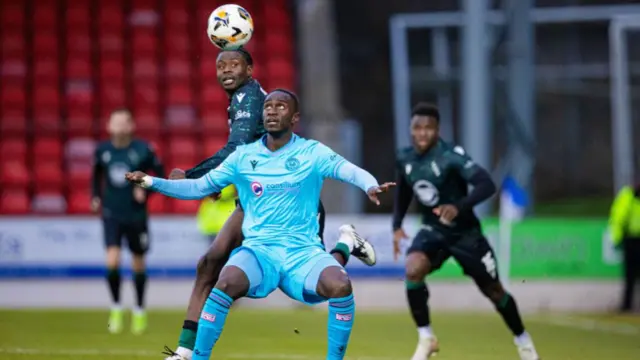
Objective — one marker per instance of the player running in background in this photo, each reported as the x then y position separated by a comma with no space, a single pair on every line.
124,210
437,175
246,97
279,179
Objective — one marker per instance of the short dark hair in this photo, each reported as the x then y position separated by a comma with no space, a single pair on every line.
245,54
296,101
426,109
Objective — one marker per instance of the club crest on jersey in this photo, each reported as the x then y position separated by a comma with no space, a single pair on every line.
257,188
292,164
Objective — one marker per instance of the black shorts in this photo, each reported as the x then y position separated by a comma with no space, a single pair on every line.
470,249
135,232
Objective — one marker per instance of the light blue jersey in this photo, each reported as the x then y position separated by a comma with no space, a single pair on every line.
279,190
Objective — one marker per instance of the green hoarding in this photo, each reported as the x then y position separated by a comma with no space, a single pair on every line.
548,249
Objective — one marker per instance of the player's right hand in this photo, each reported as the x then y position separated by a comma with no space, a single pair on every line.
398,236
177,174
95,204
136,177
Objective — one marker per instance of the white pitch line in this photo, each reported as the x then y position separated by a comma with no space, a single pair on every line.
146,353
590,325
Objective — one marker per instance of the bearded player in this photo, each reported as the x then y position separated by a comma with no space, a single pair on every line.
437,175
246,98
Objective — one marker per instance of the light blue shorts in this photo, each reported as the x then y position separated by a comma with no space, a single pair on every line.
294,271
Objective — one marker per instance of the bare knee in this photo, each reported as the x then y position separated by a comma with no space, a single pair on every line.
138,263
334,283
417,266
494,291
113,257
233,282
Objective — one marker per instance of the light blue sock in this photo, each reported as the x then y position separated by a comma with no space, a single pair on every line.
341,314
211,323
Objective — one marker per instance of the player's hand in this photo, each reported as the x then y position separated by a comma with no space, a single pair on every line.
136,177
375,190
139,195
398,236
177,174
95,204
447,213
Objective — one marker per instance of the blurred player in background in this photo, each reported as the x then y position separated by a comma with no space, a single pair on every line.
124,210
246,98
212,214
282,248
437,175
624,224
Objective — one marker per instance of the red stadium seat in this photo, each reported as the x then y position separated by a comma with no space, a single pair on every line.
213,96
46,69
144,5
47,149
13,121
45,44
48,202
13,96
111,15
79,202
79,175
79,44
45,15
215,120
112,69
157,204
178,69
46,95
179,94
13,44
14,202
46,121
280,69
14,174
13,70
176,16
79,94
80,149
181,119
145,69
12,15
13,149
280,44
79,121
146,94
278,16
79,68
190,207
177,45
144,43
47,176
208,71
78,16
213,144
111,44
183,149
147,121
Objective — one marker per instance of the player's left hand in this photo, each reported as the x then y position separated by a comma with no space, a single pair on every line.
374,191
447,213
136,177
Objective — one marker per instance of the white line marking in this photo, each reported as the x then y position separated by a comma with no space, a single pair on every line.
157,354
590,325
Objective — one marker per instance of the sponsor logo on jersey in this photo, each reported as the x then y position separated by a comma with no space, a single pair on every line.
257,188
241,114
284,186
435,168
426,192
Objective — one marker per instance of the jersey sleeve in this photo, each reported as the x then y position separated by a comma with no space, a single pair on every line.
476,176
96,174
331,165
246,114
402,198
463,164
193,189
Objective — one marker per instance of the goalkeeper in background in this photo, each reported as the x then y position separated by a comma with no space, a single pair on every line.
214,212
624,224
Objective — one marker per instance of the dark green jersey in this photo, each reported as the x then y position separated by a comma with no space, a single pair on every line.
245,122
109,184
440,176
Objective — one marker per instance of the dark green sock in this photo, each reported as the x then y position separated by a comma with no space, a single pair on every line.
508,309
188,335
343,250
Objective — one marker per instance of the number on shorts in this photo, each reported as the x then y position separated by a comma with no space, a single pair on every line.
489,263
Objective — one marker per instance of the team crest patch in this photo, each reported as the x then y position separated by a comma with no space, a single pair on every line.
257,188
292,164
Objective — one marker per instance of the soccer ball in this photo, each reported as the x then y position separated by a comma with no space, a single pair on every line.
229,27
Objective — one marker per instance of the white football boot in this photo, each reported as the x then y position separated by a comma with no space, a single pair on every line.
180,354
427,347
360,247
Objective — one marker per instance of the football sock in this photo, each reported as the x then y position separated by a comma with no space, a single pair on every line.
211,323
418,296
113,279
188,335
140,281
341,315
508,309
342,249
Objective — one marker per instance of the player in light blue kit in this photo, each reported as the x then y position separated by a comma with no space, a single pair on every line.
279,179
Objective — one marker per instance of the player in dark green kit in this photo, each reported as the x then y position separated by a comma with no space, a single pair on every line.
437,175
246,97
124,210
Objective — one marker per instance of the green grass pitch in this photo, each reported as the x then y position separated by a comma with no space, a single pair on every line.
270,334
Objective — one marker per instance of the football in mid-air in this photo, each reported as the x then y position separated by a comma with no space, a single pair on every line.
229,27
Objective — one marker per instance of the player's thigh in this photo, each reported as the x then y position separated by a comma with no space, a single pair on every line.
259,266
427,253
137,234
301,273
113,230
477,259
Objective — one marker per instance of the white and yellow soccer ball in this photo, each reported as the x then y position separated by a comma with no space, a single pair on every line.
230,26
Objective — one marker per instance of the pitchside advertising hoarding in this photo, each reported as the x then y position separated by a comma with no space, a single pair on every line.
540,249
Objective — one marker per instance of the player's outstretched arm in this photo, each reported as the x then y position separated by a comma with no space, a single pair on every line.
476,176
401,201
